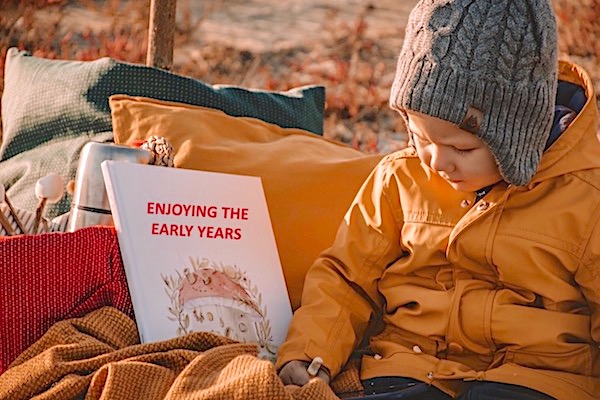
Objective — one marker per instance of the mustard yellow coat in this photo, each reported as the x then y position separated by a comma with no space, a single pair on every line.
506,289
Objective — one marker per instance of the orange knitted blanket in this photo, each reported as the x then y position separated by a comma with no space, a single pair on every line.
99,356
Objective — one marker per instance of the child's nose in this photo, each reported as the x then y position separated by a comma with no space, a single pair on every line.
440,160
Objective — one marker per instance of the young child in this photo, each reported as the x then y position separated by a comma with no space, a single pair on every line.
476,252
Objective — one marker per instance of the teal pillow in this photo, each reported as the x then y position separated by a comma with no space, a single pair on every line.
50,108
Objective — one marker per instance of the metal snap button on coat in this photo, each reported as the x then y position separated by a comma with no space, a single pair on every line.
483,206
465,203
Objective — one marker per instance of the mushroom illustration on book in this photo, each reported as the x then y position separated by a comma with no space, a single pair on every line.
220,299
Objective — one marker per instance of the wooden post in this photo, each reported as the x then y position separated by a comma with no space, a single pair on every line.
161,33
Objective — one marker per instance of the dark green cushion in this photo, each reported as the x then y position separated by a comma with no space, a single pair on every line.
50,108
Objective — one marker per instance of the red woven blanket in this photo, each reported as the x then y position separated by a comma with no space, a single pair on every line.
51,277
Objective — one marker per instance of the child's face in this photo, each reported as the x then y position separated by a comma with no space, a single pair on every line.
458,156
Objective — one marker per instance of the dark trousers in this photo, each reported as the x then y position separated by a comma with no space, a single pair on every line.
473,391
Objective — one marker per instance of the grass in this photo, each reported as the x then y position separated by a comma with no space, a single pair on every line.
355,69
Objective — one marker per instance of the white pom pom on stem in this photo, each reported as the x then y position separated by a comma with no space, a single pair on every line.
48,189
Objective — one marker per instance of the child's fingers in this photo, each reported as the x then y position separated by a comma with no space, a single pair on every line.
323,375
294,373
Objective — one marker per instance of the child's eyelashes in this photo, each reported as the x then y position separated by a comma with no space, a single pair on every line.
424,142
462,151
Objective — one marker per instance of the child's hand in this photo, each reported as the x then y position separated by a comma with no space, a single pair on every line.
294,373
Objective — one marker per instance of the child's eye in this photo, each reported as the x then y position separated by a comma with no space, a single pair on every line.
462,151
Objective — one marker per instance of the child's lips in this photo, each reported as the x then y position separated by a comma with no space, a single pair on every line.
451,180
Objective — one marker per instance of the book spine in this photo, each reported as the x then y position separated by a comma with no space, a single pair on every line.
114,188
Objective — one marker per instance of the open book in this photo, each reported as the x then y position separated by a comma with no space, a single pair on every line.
199,253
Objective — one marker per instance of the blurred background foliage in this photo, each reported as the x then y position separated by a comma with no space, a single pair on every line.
356,69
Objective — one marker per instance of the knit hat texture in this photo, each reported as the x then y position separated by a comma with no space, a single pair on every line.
488,66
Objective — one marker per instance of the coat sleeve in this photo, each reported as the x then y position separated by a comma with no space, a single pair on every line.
341,287
588,278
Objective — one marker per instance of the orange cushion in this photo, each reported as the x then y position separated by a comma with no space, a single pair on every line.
309,181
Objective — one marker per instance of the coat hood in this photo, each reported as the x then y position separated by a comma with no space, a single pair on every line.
578,148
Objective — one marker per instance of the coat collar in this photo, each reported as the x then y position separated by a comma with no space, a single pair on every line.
578,148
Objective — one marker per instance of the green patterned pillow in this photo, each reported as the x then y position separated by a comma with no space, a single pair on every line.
60,156
44,99
51,108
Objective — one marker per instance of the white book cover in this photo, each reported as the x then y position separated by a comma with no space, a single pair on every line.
199,253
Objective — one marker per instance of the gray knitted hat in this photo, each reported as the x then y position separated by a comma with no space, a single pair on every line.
489,66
